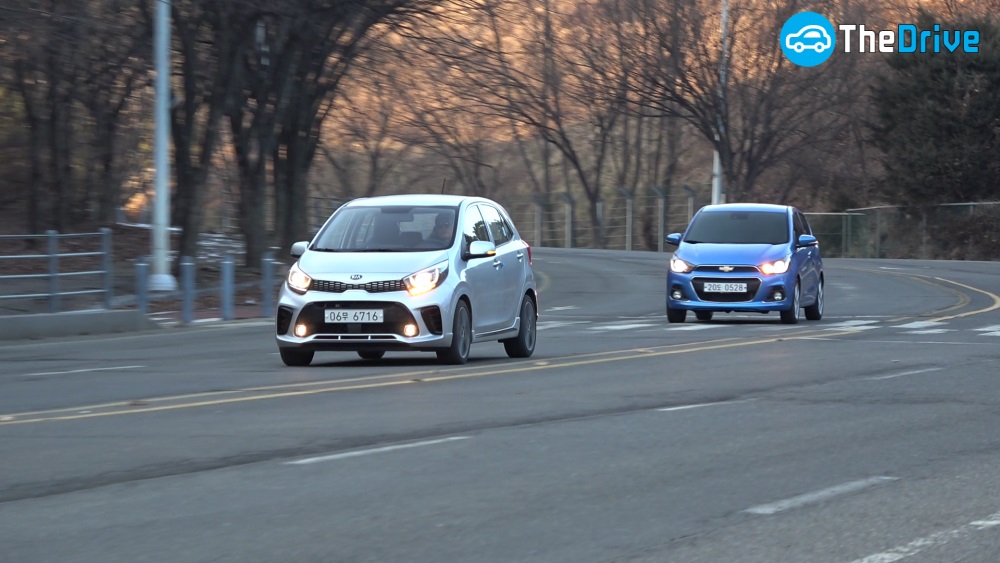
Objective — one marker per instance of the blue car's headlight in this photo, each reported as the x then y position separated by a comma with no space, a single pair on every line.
680,266
776,267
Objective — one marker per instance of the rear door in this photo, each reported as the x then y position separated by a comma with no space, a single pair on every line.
480,274
809,256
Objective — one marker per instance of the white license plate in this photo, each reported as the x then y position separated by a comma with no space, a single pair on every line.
355,315
725,287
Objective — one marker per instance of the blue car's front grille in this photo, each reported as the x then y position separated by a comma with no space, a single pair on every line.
753,285
727,269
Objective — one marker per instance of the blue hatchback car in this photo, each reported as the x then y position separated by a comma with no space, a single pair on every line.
740,257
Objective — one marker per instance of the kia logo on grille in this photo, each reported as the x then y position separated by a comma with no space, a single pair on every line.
356,277
726,268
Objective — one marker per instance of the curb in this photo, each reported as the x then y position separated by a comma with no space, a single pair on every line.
75,323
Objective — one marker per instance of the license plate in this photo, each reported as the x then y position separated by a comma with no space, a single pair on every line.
725,287
355,315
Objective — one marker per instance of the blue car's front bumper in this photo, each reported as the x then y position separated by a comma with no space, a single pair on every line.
763,293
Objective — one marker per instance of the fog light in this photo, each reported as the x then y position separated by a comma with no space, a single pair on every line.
779,296
301,330
410,330
677,294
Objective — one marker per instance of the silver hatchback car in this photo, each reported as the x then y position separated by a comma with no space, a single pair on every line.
409,272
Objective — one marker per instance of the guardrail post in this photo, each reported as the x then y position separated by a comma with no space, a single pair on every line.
878,234
568,235
267,285
227,288
53,243
142,285
187,290
539,210
661,215
690,194
629,216
107,265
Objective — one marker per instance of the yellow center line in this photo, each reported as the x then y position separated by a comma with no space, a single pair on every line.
994,297
640,353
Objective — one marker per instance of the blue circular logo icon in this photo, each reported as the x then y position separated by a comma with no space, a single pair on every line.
808,38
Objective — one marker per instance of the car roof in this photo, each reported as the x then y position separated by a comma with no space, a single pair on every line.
416,199
769,207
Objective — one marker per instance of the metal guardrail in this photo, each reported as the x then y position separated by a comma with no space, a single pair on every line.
54,275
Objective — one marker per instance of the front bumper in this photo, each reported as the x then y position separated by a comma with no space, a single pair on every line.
431,313
763,293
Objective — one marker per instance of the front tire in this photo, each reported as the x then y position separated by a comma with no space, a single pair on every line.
296,358
790,316
814,312
523,345
461,337
676,315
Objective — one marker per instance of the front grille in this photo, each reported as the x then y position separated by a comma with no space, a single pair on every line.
753,285
370,287
735,269
396,317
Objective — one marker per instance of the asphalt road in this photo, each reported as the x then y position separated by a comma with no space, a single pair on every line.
867,437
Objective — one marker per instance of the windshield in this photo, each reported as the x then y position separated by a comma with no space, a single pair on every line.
395,228
739,227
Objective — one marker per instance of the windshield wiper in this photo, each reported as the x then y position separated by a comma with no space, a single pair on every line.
327,250
380,250
689,241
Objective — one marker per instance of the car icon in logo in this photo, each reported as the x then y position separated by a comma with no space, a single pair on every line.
812,37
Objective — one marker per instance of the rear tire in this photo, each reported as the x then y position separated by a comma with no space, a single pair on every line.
296,358
790,316
814,312
523,345
371,354
703,315
461,337
676,315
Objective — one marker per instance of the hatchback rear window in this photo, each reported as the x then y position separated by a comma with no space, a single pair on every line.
739,227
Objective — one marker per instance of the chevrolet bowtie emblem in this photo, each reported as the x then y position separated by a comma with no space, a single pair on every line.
726,268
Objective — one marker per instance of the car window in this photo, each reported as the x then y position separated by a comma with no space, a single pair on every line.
499,228
739,227
805,224
474,227
389,228
799,227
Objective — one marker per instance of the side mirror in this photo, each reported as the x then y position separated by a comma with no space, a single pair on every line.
299,248
673,238
480,249
807,240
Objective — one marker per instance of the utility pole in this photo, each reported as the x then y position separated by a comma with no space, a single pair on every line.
160,278
718,190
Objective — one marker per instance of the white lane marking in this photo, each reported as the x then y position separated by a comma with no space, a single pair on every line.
80,371
852,328
993,328
905,373
210,320
929,331
997,333
932,541
920,324
358,453
619,327
692,327
818,496
563,308
852,323
698,406
545,325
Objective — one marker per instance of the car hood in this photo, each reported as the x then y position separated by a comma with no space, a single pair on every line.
373,266
731,254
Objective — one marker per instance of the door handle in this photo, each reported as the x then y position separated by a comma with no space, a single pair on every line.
520,256
498,264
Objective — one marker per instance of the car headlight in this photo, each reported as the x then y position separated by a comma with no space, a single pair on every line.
426,279
776,267
680,266
298,281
